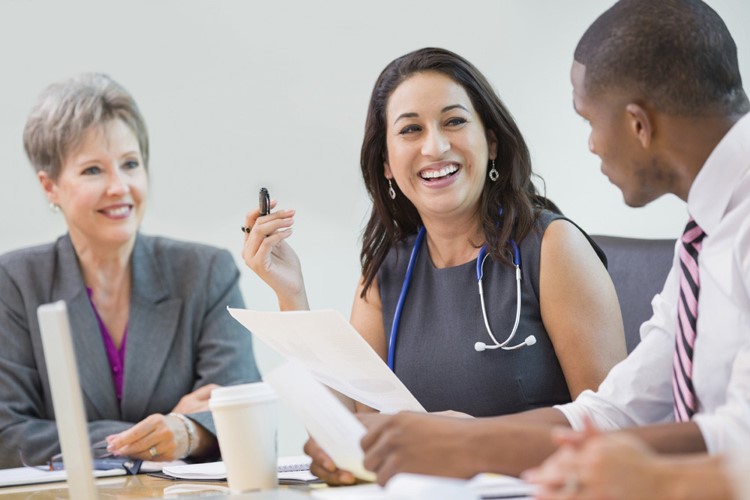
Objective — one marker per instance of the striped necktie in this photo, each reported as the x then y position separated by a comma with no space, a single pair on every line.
685,402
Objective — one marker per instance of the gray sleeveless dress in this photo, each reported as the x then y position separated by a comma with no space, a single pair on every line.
442,320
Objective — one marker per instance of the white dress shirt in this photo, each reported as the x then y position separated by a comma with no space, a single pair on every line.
638,391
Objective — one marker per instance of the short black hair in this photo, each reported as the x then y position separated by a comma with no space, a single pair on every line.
678,54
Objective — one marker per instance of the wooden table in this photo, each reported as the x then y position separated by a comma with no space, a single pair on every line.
143,486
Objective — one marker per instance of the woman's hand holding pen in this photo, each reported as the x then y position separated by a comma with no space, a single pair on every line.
268,254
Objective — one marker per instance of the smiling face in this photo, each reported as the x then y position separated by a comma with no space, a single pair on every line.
102,187
621,136
438,149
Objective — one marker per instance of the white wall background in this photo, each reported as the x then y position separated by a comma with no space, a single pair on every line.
240,94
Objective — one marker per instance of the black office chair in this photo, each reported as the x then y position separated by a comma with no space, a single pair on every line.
638,268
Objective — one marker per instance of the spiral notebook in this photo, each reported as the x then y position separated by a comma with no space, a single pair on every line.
291,470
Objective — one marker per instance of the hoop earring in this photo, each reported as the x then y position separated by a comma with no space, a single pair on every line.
391,191
54,207
494,174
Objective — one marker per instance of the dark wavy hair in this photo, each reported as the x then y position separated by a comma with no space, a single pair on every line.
393,220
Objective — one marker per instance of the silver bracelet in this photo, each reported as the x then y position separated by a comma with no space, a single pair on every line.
189,429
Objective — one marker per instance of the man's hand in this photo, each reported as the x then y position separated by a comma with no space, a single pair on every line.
417,443
323,467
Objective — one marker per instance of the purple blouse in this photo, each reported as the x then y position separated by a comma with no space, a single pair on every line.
116,357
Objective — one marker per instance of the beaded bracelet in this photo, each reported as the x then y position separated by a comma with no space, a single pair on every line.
189,429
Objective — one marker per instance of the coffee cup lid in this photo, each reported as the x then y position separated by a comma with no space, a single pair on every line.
243,393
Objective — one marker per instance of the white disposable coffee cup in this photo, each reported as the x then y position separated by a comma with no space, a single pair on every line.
246,419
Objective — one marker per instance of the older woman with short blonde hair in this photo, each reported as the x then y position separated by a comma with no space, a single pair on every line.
148,314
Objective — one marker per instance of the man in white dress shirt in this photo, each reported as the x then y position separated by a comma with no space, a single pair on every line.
659,83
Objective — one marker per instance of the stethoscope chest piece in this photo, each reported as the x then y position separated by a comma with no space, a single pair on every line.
479,346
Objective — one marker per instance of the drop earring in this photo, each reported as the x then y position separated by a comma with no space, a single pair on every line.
391,191
54,207
494,174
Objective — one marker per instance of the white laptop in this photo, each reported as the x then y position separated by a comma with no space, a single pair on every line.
71,418
67,400
68,404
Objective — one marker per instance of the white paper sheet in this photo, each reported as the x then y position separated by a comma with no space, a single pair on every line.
327,420
402,487
406,486
332,350
500,486
29,475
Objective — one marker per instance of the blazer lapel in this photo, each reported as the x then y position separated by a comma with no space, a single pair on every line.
93,367
152,325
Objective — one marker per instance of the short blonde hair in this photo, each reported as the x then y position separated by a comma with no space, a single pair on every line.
66,110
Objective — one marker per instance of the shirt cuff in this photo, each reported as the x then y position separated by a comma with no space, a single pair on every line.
588,405
723,431
574,413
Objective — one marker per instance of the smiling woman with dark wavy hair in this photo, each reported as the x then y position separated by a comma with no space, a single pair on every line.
450,178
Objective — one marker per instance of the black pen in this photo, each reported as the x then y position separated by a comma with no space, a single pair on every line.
264,202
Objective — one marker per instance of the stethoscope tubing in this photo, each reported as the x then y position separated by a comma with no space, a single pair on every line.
402,298
479,267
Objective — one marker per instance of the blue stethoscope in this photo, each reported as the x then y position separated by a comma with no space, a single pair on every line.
479,346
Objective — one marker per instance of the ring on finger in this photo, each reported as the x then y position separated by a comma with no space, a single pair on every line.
246,229
153,451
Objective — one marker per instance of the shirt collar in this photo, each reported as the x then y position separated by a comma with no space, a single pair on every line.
716,181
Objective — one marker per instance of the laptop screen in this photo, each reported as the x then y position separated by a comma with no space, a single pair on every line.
67,399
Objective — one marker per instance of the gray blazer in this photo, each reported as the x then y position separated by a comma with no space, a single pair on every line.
180,337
